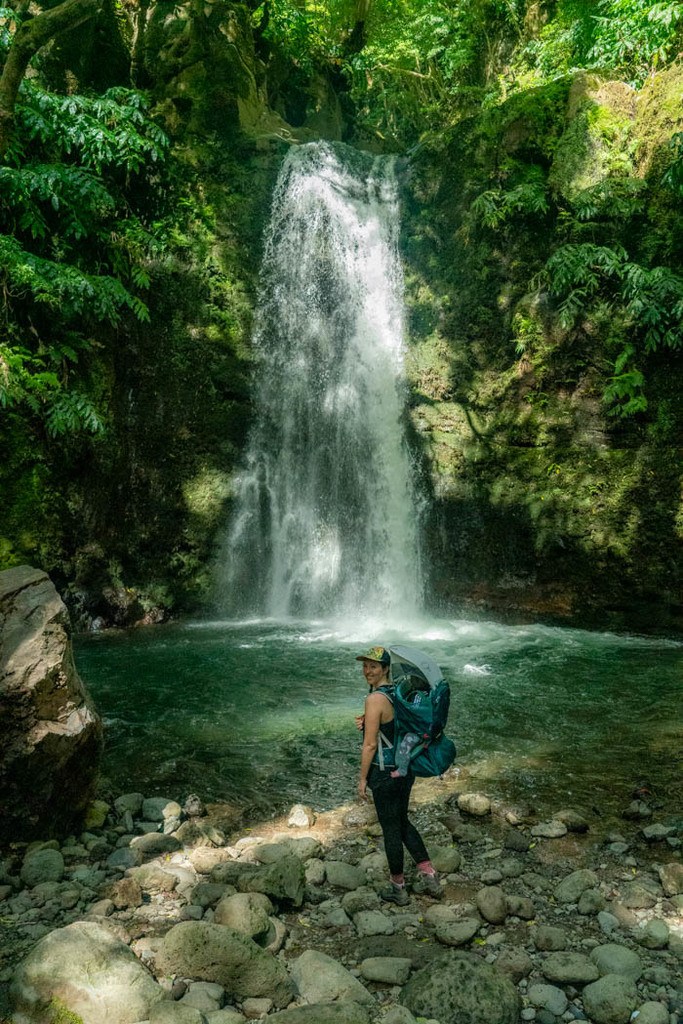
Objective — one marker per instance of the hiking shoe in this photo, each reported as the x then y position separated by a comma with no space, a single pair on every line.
395,894
428,885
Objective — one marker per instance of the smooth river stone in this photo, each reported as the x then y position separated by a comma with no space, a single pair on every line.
569,969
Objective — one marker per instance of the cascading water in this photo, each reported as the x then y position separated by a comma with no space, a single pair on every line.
325,517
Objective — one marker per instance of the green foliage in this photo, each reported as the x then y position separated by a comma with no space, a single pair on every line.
628,37
648,302
498,206
73,253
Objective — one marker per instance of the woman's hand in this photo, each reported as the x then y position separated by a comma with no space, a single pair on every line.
360,722
362,789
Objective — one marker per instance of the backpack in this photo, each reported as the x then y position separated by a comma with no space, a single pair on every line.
420,715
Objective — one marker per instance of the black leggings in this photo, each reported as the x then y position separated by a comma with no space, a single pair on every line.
391,798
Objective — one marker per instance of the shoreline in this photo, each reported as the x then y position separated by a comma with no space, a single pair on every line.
501,868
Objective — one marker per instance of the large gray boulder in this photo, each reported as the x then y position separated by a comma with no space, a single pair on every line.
51,734
320,979
462,989
610,1000
90,972
323,1013
214,952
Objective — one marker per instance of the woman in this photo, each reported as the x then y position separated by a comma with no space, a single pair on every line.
390,793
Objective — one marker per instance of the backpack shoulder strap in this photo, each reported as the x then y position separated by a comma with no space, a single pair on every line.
388,692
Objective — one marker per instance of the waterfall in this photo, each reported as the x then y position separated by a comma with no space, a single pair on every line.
325,521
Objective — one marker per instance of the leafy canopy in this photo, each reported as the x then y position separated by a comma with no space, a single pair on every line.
73,251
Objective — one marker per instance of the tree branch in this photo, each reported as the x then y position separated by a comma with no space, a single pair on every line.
30,37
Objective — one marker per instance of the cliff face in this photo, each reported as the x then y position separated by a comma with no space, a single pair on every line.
544,502
52,736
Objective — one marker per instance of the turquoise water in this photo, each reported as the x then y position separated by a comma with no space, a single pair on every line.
261,714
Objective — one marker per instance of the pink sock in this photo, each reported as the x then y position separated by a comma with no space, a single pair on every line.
398,879
426,868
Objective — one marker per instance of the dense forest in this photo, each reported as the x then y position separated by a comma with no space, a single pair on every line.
540,149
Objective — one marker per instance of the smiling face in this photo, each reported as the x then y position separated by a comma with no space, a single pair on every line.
375,673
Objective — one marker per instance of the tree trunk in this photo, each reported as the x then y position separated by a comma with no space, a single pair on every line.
29,38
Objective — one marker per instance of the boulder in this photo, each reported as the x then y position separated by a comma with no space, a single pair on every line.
569,969
328,1013
42,865
320,979
246,913
653,935
458,932
51,734
214,952
344,876
570,888
461,987
671,877
475,804
387,970
611,1000
492,905
90,972
284,880
611,958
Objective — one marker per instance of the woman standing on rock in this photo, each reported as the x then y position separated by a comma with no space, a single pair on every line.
390,793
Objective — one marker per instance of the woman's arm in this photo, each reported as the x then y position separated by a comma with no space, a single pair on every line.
373,712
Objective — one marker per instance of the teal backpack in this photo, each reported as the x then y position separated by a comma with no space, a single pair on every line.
420,715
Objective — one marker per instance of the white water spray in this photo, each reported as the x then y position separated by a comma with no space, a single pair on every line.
325,520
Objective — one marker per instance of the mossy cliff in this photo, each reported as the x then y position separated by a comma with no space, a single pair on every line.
545,502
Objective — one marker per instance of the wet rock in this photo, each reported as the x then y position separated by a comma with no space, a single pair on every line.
90,972
462,987
637,810
611,999
574,821
320,979
475,804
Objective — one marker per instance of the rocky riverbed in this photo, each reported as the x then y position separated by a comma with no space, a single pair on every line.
163,911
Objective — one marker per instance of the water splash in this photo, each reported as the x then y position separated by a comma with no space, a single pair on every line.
325,520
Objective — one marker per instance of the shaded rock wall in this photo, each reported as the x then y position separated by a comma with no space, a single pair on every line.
51,733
